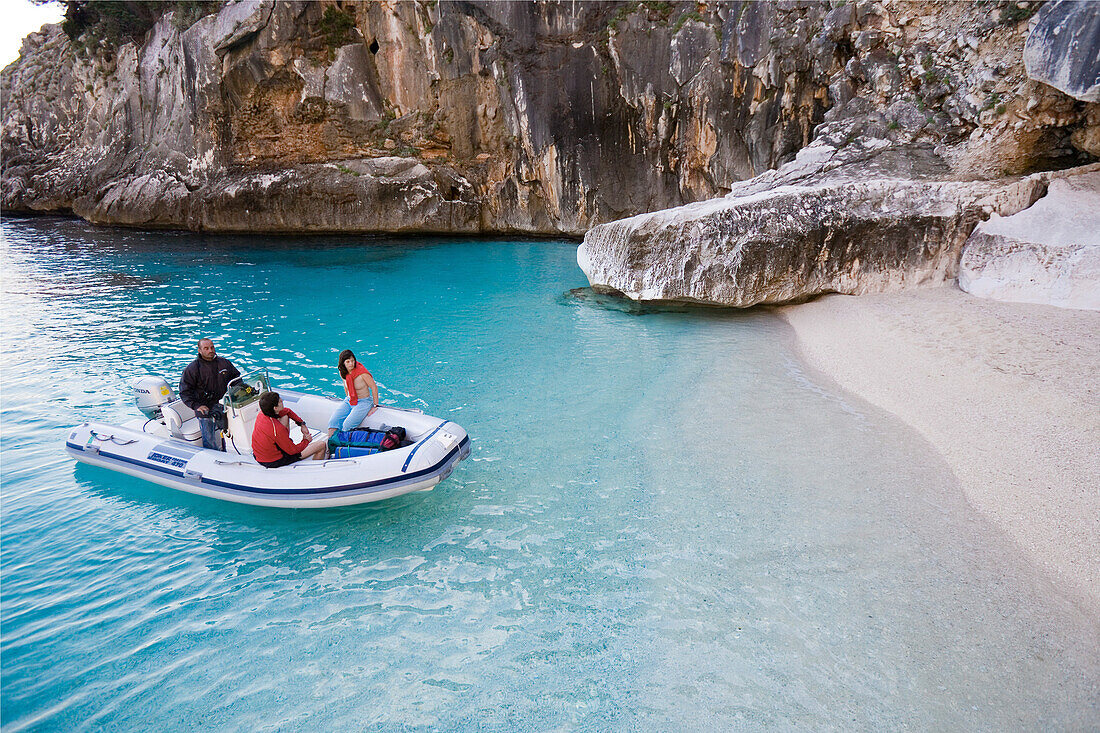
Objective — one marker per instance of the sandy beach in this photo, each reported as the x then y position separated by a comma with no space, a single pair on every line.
1007,393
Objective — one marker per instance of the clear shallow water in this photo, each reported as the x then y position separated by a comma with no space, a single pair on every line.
666,522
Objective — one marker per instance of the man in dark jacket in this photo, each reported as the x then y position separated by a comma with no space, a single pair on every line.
203,385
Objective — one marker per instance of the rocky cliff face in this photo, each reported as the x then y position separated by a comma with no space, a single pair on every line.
545,117
933,120
1062,49
915,121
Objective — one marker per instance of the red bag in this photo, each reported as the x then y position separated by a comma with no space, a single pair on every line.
393,439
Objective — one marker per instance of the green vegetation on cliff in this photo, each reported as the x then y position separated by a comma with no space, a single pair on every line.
101,25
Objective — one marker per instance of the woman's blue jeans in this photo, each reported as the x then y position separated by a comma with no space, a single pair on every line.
348,417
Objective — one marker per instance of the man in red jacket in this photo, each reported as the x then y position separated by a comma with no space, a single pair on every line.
271,443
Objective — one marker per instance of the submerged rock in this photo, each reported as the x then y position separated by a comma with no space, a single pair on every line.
1048,253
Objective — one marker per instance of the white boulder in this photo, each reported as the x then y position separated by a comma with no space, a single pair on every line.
1048,253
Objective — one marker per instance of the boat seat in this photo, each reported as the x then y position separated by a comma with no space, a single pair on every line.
182,422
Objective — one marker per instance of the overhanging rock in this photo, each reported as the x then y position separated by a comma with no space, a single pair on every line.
1063,49
831,221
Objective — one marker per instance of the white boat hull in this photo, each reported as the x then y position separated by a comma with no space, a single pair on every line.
153,456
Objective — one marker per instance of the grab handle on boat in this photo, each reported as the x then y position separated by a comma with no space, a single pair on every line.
192,475
105,438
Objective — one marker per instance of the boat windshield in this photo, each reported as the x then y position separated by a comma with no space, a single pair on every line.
247,388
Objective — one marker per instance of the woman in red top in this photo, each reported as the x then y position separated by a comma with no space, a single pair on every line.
362,396
271,443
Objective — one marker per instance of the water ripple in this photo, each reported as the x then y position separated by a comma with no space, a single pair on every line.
667,523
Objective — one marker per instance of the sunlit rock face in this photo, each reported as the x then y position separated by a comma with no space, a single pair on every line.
912,122
1049,253
517,116
228,125
395,195
832,221
933,124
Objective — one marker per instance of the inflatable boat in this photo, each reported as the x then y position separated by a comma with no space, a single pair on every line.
165,447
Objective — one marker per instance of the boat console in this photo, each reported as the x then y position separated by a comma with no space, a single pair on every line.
242,406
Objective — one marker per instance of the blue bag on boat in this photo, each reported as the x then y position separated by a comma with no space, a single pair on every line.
357,438
352,452
351,443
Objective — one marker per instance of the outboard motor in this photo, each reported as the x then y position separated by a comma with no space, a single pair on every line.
150,393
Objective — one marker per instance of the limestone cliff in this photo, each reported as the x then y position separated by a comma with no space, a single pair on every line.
914,121
545,117
932,121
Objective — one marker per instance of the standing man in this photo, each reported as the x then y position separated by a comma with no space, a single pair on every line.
201,388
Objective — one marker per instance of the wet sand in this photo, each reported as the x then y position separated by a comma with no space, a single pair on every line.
1008,393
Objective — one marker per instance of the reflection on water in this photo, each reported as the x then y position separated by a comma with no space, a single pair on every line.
666,521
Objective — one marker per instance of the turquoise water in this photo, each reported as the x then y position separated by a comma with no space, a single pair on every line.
666,523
